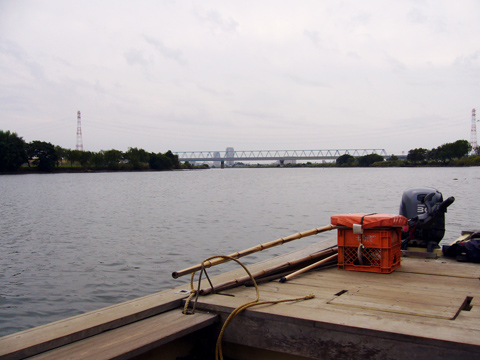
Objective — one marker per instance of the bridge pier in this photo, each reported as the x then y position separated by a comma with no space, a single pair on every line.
282,162
222,166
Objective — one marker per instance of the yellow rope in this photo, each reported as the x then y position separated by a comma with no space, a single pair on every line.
238,310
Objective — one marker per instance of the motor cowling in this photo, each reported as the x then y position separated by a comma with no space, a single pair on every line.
425,210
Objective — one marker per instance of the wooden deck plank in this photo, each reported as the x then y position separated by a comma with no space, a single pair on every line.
427,284
46,337
381,324
400,302
423,288
440,267
417,303
43,338
409,278
426,288
133,339
400,306
340,279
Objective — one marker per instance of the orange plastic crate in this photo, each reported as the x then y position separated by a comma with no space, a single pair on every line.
381,252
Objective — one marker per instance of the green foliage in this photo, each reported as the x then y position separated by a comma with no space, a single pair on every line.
61,153
73,156
113,158
345,160
98,159
466,161
43,155
417,155
370,159
450,151
85,158
187,165
137,157
12,151
160,162
173,158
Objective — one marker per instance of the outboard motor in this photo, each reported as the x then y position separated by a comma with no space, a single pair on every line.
425,210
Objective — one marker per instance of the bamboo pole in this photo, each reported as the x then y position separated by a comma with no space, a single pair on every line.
270,271
309,267
267,245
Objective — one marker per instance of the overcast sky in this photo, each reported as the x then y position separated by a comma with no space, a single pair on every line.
253,75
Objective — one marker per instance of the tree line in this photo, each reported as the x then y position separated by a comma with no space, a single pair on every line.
45,157
456,153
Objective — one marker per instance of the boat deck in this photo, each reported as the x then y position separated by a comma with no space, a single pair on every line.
426,309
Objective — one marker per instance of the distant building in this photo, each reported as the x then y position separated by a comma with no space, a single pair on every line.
217,163
230,153
287,162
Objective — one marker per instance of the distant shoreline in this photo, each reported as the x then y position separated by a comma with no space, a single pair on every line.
77,170
87,171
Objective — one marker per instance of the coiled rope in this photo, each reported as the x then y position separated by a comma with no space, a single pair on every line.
238,310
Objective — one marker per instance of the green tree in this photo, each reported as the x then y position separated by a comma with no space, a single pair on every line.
368,160
43,155
12,151
437,155
449,151
417,155
98,159
137,157
113,158
85,158
187,165
174,159
345,160
459,149
73,156
160,162
61,154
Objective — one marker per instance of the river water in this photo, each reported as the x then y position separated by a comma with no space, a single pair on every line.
72,243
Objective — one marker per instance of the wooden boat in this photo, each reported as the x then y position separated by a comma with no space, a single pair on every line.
429,308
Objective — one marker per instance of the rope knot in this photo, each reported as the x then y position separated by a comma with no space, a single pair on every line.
186,311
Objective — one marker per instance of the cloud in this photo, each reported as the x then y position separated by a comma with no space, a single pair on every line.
469,61
134,57
253,73
395,64
13,51
313,36
304,81
416,16
169,53
217,22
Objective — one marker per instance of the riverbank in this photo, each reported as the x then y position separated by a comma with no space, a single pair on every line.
79,170
464,162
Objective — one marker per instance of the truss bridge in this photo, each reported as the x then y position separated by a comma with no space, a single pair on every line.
231,156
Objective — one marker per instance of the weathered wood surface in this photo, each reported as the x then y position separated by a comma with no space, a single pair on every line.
419,303
418,311
44,338
133,339
49,336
